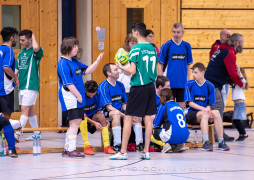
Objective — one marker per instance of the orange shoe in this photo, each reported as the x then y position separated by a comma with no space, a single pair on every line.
88,150
109,150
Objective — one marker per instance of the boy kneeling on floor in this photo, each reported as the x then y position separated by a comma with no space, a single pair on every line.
199,96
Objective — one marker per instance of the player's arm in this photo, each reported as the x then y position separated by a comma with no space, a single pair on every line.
10,72
160,69
198,107
74,91
96,124
109,108
188,72
131,70
123,107
92,68
35,45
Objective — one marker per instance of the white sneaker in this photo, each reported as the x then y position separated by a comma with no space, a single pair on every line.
179,148
166,148
145,156
17,136
119,156
29,138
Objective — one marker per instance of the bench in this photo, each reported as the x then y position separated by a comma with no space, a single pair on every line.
210,134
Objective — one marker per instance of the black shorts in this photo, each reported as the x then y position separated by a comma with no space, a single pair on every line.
3,122
142,101
191,118
178,94
7,103
77,113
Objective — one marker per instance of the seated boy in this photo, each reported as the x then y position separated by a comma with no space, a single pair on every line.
170,116
199,96
94,119
9,135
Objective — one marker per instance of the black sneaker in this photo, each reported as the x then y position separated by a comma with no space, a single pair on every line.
207,146
13,153
242,137
228,138
117,148
223,146
140,147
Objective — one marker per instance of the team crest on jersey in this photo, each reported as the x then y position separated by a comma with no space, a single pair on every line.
116,98
178,56
200,98
78,71
90,107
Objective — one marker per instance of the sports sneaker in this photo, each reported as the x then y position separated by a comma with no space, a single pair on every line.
207,146
64,153
166,148
242,137
140,147
117,148
13,153
223,146
157,148
75,153
119,156
109,150
178,148
17,136
88,150
145,156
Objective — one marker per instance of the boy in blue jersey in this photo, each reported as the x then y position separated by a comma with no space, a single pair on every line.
72,91
174,62
94,119
162,82
170,126
9,135
113,99
199,96
7,67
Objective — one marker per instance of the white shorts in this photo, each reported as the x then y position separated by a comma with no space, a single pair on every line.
27,97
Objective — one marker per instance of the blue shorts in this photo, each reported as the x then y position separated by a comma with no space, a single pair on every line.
240,111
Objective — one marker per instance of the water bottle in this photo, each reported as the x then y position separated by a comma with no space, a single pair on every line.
34,146
38,143
196,139
1,146
4,145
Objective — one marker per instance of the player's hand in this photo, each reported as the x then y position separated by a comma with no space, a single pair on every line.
16,80
99,58
244,85
108,123
206,110
119,65
98,126
79,98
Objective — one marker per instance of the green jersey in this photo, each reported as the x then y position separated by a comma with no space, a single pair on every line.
144,56
27,64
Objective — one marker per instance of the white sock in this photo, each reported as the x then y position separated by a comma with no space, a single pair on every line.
23,120
34,124
138,133
117,132
66,145
72,142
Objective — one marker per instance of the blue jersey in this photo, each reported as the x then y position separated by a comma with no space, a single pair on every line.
203,95
179,56
157,100
174,128
92,105
7,59
114,95
70,73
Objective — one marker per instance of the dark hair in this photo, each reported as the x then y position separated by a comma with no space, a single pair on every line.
200,67
149,31
161,80
129,38
140,27
68,44
107,68
91,86
8,32
166,95
27,33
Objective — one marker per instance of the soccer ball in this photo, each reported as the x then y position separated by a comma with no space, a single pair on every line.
122,57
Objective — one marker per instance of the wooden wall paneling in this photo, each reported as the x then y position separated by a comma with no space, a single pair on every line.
101,19
152,19
218,18
117,26
204,38
170,14
246,59
218,4
48,65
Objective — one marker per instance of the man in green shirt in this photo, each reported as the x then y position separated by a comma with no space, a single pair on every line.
142,97
26,67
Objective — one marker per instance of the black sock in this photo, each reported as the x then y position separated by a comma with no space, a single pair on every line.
239,126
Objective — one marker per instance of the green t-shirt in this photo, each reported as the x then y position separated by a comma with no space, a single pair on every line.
28,63
144,56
